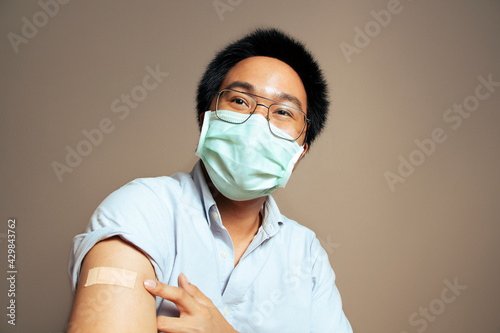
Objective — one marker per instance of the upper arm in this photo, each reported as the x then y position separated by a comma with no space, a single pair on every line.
110,308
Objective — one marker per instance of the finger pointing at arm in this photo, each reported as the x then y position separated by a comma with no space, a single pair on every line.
197,312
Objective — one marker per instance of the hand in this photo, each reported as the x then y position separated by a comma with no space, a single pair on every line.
197,312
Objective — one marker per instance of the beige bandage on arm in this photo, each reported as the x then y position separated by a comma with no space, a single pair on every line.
111,275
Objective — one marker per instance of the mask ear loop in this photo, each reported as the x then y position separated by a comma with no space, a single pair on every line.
305,135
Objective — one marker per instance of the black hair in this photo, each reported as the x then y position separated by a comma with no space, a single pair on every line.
275,44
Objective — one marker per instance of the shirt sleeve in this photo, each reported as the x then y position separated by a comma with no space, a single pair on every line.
327,313
140,214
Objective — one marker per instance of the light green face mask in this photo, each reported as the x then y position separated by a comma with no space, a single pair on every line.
245,161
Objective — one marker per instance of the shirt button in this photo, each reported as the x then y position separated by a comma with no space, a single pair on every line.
223,254
215,215
226,311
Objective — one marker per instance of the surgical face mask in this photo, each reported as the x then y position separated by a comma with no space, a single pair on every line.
245,161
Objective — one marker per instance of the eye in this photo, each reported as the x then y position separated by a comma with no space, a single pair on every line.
236,101
239,101
283,113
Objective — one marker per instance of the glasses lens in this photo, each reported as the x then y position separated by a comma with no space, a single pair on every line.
286,122
235,101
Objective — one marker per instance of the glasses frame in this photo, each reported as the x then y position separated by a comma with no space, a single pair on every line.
253,96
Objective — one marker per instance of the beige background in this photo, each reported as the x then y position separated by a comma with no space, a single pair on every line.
391,250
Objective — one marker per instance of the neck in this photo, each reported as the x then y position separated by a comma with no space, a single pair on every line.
242,219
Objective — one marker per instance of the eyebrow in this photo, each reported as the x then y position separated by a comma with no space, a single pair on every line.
281,96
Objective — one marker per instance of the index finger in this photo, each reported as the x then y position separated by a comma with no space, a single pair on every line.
177,295
194,291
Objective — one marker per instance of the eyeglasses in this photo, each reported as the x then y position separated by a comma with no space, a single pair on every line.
288,119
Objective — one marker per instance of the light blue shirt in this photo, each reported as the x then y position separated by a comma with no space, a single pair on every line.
282,283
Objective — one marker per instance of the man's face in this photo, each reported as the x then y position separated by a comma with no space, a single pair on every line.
269,78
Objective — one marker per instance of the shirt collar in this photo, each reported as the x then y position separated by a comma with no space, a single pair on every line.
273,220
205,194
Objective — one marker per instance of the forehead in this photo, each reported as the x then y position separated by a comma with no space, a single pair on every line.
268,77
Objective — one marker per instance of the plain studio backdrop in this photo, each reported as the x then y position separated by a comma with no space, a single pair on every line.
402,188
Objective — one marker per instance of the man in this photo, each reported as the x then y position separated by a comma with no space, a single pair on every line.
251,268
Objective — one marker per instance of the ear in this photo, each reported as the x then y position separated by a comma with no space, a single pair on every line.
306,146
202,116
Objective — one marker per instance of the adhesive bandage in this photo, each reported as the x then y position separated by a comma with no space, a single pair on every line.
111,275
